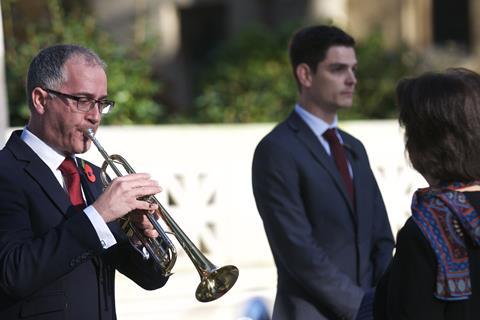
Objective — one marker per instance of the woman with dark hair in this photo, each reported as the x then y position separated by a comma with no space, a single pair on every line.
435,273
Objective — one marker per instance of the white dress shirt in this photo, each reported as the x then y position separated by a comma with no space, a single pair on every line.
319,127
53,159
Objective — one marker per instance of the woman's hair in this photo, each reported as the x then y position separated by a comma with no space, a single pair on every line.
441,116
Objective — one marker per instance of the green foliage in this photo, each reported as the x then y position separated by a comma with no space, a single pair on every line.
129,76
250,79
379,70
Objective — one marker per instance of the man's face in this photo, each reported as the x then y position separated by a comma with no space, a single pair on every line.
333,84
63,124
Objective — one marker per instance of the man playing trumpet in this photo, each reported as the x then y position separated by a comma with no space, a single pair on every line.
60,240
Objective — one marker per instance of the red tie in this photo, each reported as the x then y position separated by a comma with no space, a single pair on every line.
340,157
72,179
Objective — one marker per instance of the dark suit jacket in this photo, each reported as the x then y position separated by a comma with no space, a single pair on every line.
52,265
405,292
326,252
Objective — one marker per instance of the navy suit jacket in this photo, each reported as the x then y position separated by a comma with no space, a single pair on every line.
52,265
327,250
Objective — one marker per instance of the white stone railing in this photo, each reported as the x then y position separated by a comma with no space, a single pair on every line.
395,176
205,171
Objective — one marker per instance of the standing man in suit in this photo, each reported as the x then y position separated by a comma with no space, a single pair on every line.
321,207
60,243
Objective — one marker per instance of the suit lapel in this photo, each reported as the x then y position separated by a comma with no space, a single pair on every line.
39,172
92,190
359,182
308,138
359,198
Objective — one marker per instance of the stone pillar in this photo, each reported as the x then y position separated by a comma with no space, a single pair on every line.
417,23
367,16
3,87
329,10
475,29
168,30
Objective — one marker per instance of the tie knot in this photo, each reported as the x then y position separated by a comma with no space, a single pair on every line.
330,135
68,167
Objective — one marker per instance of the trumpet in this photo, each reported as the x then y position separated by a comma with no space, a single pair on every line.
214,281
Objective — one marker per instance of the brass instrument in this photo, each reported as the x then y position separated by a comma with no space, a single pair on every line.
214,281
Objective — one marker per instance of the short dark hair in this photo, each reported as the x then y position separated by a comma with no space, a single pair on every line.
310,45
441,116
46,68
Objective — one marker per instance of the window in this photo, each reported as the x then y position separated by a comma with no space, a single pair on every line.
451,23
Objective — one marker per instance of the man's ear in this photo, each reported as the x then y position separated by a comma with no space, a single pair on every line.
304,75
39,99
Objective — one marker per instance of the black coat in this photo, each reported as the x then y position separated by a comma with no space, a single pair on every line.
406,290
52,265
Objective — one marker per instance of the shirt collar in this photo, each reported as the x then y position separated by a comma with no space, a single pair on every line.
317,125
52,158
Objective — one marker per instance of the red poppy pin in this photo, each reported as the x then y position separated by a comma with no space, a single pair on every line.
89,173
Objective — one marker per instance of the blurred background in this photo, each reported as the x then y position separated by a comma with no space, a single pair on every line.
200,82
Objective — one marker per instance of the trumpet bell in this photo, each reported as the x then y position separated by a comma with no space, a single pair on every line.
216,283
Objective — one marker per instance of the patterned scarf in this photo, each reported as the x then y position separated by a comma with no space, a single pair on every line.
445,218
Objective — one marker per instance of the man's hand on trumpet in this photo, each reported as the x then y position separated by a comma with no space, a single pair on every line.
139,218
122,196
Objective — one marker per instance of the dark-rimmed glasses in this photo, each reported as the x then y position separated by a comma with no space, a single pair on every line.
85,104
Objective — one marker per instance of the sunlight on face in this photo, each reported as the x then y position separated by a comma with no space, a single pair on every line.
333,84
64,124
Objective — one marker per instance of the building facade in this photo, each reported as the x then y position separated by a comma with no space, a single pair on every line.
188,30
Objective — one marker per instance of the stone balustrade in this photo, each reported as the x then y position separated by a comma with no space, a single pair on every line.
205,171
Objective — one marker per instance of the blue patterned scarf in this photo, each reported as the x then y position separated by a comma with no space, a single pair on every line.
445,218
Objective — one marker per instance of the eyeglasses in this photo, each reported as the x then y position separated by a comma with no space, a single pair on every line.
85,104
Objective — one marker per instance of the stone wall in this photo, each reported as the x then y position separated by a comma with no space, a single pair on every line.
205,173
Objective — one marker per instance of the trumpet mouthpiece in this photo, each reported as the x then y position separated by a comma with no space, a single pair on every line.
89,132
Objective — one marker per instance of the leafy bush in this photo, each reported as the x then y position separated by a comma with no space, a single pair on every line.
250,79
130,81
379,70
